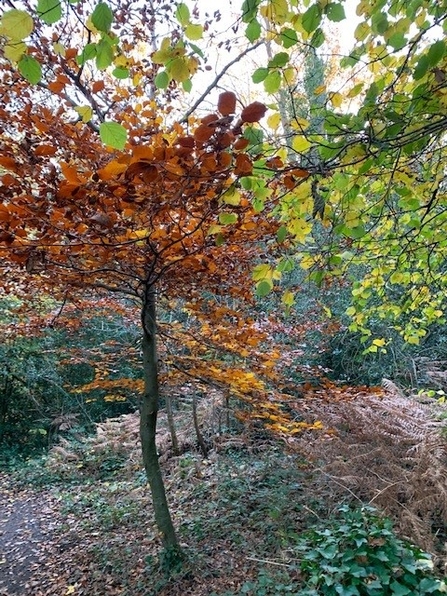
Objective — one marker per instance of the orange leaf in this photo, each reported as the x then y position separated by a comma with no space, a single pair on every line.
45,150
243,165
150,174
71,53
56,86
253,112
203,133
8,163
98,86
209,119
274,163
227,103
299,173
225,159
241,144
188,142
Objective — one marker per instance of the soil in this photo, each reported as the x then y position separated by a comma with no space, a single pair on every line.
27,523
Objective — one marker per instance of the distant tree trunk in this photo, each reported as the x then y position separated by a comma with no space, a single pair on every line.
148,423
171,425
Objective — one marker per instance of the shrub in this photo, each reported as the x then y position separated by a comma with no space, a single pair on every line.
358,554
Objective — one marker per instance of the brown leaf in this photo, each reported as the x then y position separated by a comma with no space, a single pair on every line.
227,103
253,112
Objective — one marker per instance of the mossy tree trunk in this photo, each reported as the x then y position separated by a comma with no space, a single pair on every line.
148,423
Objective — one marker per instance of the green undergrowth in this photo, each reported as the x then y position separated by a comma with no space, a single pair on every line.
248,521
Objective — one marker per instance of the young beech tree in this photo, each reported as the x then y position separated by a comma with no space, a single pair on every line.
163,217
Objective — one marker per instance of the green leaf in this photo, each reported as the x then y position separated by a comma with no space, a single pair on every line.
272,82
16,24
318,38
102,17
253,31
249,10
113,135
354,233
335,12
288,37
227,218
279,60
436,53
182,14
259,75
162,80
281,234
104,55
50,11
311,18
263,288
421,68
30,69
88,53
397,41
178,70
196,50
187,85
399,589
120,72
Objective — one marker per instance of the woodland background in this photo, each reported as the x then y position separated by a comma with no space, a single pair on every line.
223,356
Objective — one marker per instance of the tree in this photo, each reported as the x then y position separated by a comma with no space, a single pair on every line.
192,205
164,217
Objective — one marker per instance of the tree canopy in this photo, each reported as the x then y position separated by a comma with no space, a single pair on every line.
362,195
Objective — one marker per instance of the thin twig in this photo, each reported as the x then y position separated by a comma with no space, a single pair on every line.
217,79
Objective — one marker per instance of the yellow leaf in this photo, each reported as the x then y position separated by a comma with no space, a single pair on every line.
194,32
58,49
336,99
232,196
274,120
70,590
300,123
14,50
300,144
85,112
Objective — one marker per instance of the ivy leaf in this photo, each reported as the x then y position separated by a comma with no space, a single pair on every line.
30,69
50,11
16,24
113,135
102,17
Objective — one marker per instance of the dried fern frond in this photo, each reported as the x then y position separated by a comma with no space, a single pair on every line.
389,452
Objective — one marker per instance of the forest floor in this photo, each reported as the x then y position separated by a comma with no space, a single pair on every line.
80,520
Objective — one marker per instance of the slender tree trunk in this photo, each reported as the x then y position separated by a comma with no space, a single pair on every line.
148,424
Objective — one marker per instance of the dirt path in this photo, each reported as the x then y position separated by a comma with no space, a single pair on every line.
27,523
